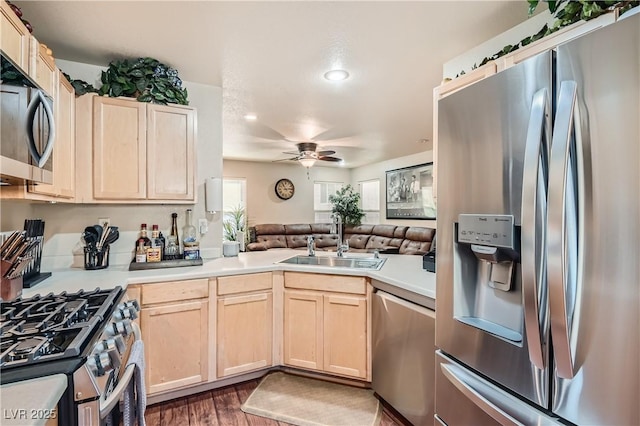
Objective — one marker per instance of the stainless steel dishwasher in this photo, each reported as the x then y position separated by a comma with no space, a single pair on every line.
403,370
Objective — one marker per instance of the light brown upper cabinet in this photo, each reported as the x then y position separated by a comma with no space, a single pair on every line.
140,152
14,36
42,66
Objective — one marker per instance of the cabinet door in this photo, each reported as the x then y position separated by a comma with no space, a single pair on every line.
170,146
119,149
42,66
303,329
245,335
176,342
345,335
14,37
64,150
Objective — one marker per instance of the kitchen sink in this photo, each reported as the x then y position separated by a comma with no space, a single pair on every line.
337,262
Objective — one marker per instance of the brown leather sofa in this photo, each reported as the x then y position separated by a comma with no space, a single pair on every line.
361,238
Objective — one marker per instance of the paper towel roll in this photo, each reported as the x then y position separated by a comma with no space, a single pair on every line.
213,194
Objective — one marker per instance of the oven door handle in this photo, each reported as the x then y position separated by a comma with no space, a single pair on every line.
113,399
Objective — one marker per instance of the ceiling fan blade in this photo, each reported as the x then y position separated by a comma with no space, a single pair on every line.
285,159
334,159
323,153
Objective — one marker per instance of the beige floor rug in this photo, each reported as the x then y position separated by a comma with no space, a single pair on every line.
309,402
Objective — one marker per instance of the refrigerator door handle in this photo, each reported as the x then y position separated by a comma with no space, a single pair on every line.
534,210
563,220
456,376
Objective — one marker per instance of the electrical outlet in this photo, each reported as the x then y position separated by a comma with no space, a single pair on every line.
203,226
103,220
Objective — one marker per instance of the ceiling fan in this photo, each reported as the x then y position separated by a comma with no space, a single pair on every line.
307,154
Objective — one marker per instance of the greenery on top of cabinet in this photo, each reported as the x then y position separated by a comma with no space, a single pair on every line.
146,79
566,13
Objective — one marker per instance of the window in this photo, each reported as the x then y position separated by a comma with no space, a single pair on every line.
234,198
321,204
370,200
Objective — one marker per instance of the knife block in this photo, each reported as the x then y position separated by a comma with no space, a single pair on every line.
9,289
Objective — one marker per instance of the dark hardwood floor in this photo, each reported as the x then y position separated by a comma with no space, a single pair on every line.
220,407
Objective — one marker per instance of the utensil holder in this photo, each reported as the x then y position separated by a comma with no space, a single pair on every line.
9,289
95,258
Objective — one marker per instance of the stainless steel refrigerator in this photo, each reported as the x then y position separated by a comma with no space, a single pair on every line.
537,313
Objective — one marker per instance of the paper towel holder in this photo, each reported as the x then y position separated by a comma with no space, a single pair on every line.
213,194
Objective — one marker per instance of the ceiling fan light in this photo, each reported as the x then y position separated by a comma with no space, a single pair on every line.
336,75
307,162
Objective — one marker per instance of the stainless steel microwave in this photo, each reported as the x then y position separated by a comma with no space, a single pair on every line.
27,128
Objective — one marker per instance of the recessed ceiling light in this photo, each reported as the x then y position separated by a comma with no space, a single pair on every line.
336,75
423,140
251,117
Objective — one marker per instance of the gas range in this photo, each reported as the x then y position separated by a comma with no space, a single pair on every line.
84,335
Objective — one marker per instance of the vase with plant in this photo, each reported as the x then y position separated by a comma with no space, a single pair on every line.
346,203
234,225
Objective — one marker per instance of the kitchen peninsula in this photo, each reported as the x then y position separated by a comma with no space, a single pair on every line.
204,305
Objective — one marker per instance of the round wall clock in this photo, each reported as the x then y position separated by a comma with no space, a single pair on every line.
284,189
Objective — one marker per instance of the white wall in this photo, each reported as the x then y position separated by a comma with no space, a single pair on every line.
377,171
65,222
263,206
467,60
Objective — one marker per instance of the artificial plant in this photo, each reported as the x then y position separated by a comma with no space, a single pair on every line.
234,221
346,203
146,79
566,13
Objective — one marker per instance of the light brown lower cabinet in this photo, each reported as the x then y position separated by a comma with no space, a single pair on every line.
245,333
176,339
326,332
345,335
174,320
303,329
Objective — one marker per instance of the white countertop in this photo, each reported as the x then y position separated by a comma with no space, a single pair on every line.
31,402
403,271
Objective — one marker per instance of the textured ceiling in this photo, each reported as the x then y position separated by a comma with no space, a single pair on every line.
270,57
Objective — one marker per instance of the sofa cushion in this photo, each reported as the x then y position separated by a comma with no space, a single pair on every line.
295,241
358,241
417,240
358,229
269,229
399,232
273,241
384,230
420,234
298,229
396,242
378,242
320,228
326,240
256,246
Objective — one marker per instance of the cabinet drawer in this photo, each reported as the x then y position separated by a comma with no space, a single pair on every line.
173,291
244,283
325,282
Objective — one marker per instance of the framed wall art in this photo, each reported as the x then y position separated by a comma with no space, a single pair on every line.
410,193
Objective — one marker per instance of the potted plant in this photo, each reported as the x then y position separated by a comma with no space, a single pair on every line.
346,203
234,227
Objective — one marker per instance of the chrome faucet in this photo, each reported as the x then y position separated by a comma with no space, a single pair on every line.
336,222
311,245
